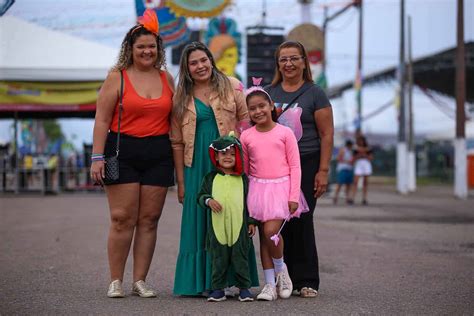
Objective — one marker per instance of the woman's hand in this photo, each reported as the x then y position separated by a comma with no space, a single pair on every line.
251,230
214,206
292,206
181,193
98,172
320,183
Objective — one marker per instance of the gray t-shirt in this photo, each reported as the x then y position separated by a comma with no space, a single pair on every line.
312,100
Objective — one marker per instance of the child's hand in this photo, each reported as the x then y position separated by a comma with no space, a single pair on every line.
214,206
293,206
251,230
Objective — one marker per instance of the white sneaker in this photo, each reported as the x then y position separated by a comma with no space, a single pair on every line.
141,289
228,292
268,293
284,284
115,289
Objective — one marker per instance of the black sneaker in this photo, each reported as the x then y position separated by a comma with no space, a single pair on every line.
245,295
216,296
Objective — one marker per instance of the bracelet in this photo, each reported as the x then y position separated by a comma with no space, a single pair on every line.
97,157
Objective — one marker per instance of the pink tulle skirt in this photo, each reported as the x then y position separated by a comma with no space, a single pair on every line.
268,199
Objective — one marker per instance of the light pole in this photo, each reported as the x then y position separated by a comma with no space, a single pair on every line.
460,163
402,174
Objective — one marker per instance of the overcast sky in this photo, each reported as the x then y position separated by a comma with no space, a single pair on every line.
434,29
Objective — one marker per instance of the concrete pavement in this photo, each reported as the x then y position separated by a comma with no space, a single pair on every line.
398,255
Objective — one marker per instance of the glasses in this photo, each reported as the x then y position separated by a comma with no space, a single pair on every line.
292,59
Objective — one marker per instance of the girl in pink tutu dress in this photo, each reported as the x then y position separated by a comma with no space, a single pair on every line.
272,163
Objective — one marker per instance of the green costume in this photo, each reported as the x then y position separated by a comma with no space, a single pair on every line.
227,240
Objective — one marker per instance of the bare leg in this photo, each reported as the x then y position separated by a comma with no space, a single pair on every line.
354,187
365,187
270,250
152,199
336,193
265,257
123,204
348,192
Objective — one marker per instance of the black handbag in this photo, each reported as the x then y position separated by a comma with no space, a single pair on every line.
112,163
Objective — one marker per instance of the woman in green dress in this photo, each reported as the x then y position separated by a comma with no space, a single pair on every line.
207,104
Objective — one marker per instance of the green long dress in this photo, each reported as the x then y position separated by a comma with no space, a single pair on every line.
193,266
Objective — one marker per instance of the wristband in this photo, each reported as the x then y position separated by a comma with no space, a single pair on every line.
97,157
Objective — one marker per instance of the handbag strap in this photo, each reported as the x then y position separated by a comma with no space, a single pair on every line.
296,97
120,112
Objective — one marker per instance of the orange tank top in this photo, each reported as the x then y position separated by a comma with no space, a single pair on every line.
143,117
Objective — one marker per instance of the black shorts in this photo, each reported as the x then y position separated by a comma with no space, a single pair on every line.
146,160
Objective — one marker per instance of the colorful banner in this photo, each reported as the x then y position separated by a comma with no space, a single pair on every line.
197,8
173,30
48,93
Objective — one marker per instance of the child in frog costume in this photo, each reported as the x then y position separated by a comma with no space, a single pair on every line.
224,192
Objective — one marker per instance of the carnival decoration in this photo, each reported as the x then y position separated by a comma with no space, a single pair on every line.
173,29
312,38
224,41
197,8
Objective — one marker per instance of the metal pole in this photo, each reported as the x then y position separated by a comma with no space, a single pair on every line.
17,158
460,163
325,22
411,140
359,72
401,146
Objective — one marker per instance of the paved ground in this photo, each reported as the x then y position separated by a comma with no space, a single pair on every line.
399,255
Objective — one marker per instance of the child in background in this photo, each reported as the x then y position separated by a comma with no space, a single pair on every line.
224,191
272,162
345,172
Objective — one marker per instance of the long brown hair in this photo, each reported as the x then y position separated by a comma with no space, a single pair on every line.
307,76
125,59
184,91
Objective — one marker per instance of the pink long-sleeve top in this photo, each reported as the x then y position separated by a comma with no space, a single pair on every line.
273,154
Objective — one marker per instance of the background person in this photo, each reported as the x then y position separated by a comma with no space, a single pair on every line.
293,86
345,172
146,164
362,167
207,104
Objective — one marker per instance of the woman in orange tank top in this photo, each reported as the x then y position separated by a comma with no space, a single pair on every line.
136,199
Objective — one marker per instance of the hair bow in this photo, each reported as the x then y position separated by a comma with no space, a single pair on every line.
257,81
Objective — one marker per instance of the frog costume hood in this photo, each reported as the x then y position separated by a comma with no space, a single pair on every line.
224,143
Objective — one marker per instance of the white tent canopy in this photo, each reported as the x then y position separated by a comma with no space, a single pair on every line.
29,52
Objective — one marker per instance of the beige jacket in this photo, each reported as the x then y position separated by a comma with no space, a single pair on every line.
227,115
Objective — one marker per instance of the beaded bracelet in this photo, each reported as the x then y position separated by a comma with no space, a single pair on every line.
97,157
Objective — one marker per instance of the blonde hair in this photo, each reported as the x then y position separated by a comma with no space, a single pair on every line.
125,58
184,91
277,78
